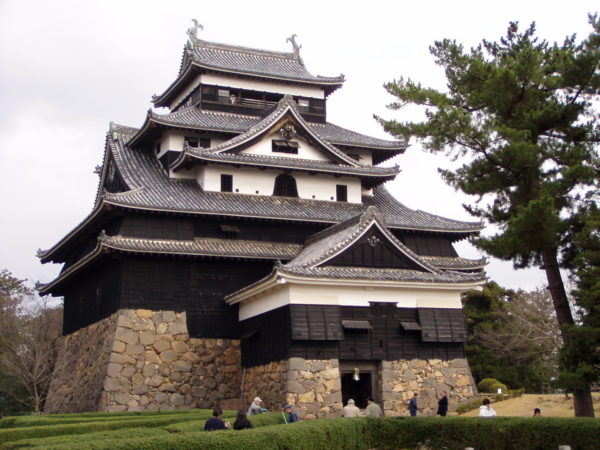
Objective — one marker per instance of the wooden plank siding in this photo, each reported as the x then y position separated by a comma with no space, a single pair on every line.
288,332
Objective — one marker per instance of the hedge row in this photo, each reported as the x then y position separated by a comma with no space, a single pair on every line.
363,433
14,434
54,419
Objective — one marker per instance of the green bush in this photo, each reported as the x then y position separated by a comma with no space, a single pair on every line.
494,388
515,392
486,384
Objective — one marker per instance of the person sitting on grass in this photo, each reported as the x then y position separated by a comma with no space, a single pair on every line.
215,422
289,415
241,421
537,412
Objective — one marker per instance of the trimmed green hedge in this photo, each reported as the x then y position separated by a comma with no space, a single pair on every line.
14,434
54,419
363,433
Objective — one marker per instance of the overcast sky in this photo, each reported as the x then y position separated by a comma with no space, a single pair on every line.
69,67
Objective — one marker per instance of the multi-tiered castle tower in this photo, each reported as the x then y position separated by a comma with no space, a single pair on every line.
241,245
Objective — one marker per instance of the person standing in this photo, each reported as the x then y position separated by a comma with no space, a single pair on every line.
291,415
256,407
412,405
350,410
486,409
215,423
373,409
443,404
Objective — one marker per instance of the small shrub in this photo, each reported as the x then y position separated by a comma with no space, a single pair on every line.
486,384
494,388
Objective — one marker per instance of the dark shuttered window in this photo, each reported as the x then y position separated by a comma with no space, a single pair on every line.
226,183
341,193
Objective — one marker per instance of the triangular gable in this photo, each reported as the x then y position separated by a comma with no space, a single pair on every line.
286,113
374,249
362,241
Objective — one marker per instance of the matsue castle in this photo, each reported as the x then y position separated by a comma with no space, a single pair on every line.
242,245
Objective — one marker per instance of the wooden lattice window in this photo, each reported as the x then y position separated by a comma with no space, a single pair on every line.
226,183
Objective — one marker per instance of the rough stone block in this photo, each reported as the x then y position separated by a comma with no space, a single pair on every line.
124,321
151,356
167,387
418,363
297,364
113,369
140,389
191,356
168,356
408,375
317,366
134,349
128,371
307,397
169,316
116,408
182,366
149,370
121,399
177,399
118,347
144,313
126,335
459,362
161,397
179,347
161,346
113,385
178,328
146,337
154,381
388,375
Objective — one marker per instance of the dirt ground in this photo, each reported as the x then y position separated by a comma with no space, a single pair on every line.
552,405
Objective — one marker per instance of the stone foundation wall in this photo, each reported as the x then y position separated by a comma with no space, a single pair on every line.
313,387
154,365
80,370
269,382
401,379
142,360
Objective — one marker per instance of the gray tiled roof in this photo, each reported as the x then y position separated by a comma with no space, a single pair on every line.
294,163
372,274
152,189
191,117
244,60
456,263
205,247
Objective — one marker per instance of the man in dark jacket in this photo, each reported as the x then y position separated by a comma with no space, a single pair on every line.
443,404
412,405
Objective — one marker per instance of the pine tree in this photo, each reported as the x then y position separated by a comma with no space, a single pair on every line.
523,113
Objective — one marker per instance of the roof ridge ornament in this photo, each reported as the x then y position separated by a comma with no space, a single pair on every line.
192,33
296,48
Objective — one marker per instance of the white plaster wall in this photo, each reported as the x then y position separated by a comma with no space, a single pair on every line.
249,180
305,151
258,85
276,298
348,296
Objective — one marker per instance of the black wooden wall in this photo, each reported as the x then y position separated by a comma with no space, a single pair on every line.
193,285
92,295
316,332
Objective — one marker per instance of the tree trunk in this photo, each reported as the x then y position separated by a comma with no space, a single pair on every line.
582,398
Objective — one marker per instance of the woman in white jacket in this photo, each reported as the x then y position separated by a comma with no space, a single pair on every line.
486,410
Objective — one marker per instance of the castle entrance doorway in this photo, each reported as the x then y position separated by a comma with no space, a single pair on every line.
359,382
